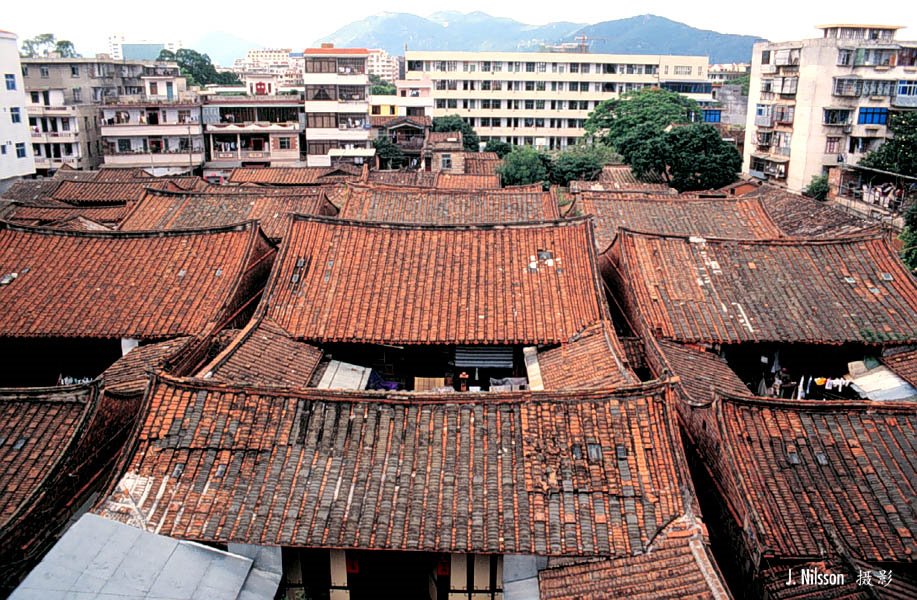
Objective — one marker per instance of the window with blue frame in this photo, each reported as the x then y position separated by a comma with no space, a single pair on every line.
872,116
10,81
712,116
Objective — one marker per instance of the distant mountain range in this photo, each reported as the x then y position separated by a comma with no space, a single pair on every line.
477,31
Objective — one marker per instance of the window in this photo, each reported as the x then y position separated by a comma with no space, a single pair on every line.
74,70
15,114
35,96
25,70
765,57
77,95
539,104
10,81
833,116
574,67
530,86
907,88
124,145
44,72
446,161
712,116
844,57
20,150
832,145
529,67
872,116
682,70
540,86
321,120
320,65
65,124
285,143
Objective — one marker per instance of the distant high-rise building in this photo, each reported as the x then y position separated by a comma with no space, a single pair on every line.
122,49
382,65
16,157
824,102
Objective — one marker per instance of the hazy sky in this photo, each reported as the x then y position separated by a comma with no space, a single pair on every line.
284,23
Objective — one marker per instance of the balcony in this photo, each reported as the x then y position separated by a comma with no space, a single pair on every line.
147,159
254,127
44,162
767,69
904,101
39,110
55,137
764,120
783,150
137,129
319,134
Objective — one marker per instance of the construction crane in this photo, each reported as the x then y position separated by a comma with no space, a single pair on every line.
583,42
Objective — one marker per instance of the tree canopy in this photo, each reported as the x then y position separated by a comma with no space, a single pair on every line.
198,68
817,188
470,140
390,155
524,165
616,122
500,148
381,87
580,162
697,158
897,154
46,43
909,237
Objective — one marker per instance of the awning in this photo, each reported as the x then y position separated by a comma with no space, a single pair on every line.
771,158
499,357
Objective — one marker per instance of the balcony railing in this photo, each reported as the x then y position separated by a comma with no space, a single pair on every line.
764,121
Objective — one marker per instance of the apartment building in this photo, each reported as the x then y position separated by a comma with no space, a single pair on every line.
282,62
120,48
337,106
158,129
383,65
413,98
543,98
824,102
254,130
64,95
15,150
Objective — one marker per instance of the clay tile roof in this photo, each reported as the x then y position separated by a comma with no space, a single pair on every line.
481,163
292,175
264,354
391,120
679,564
131,372
163,212
118,284
802,217
445,207
413,178
903,363
718,217
455,181
38,426
813,477
706,290
438,137
111,174
591,359
544,473
58,216
346,281
32,190
620,178
91,192
701,374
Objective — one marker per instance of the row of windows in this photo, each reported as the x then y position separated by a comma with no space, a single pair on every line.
553,86
451,66
525,122
517,104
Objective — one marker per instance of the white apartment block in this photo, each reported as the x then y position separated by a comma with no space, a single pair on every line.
382,65
16,158
283,62
824,102
543,98
337,106
120,48
159,130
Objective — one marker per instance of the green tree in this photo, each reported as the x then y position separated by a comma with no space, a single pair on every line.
899,153
619,122
524,165
692,157
818,188
744,81
909,237
44,44
381,87
390,156
580,162
197,68
501,148
470,140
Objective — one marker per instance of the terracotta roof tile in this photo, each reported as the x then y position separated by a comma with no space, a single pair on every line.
113,174
131,372
722,218
402,178
620,178
292,175
500,473
118,284
164,212
264,354
679,564
345,281
802,217
706,290
80,223
593,358
445,207
482,163
454,181
813,475
701,374
94,193
32,190
383,121
903,363
56,216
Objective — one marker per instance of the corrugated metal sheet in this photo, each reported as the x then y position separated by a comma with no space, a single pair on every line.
499,357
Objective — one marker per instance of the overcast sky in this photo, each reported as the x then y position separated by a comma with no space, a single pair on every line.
285,23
